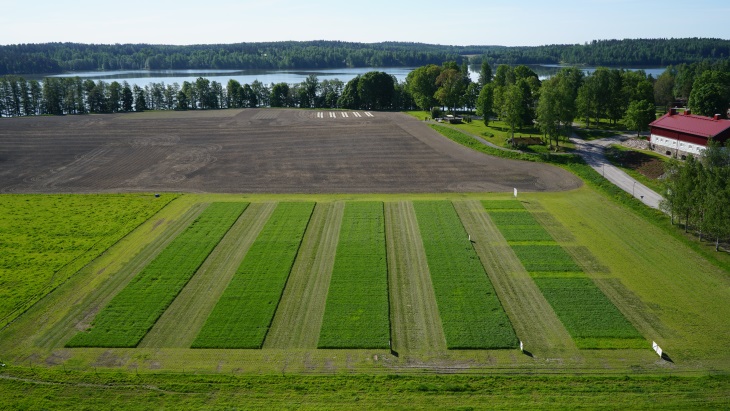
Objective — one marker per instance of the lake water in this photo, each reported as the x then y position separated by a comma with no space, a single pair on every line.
267,77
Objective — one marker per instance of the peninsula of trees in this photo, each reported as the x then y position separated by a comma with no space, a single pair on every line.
50,58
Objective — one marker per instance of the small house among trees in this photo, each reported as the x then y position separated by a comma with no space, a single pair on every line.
679,135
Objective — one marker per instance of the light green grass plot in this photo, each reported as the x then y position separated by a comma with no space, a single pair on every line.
45,239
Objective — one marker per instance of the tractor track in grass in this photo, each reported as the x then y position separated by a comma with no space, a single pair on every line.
181,322
415,320
298,319
531,315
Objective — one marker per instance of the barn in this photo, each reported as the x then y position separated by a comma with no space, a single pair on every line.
680,134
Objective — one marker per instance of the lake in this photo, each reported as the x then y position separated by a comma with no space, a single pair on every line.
267,77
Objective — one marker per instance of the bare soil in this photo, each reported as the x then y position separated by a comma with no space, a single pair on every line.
649,166
252,151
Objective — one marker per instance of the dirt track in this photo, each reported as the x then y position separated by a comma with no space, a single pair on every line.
252,151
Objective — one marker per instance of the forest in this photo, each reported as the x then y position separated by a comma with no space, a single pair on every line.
51,58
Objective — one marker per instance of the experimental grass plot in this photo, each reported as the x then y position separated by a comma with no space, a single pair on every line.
356,312
44,239
540,258
242,316
590,318
516,224
588,315
132,312
471,313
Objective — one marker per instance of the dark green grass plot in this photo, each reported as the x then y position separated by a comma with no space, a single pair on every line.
545,257
243,315
588,315
132,312
356,312
471,313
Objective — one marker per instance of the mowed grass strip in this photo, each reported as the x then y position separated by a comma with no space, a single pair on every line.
356,313
592,320
132,312
471,313
243,315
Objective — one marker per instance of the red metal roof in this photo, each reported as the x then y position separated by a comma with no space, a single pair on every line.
691,124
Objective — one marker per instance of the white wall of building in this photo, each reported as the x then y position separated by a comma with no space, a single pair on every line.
670,144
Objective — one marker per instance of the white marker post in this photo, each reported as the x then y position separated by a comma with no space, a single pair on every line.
657,348
522,347
515,192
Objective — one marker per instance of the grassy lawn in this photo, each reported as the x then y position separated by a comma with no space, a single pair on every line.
497,133
45,239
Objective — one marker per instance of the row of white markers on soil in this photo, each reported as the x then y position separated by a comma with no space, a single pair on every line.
343,114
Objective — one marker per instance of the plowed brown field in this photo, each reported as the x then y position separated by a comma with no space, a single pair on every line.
252,151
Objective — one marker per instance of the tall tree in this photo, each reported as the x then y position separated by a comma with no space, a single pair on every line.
127,97
639,115
279,95
421,84
485,103
664,88
711,93
485,73
376,90
451,88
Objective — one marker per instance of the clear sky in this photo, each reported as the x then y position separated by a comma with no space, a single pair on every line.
508,23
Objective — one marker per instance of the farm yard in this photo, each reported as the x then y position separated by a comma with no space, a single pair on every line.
411,258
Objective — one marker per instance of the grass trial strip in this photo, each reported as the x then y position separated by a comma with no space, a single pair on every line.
592,320
356,313
132,312
471,313
243,315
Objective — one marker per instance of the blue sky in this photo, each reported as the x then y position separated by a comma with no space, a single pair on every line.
520,23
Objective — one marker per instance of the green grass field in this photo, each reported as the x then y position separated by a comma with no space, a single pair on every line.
662,288
45,239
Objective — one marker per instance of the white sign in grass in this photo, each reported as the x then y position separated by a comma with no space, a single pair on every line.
657,348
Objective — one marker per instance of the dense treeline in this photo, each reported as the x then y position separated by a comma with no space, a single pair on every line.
72,95
698,193
628,52
58,57
513,94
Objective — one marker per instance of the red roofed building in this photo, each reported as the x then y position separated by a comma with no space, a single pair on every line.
678,135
